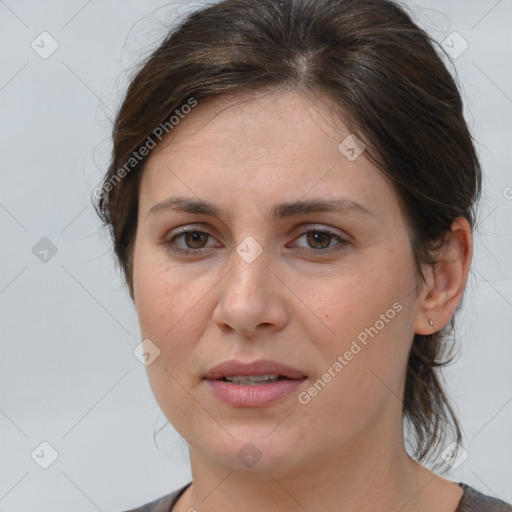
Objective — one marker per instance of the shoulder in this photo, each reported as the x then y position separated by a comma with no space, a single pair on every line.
474,501
163,504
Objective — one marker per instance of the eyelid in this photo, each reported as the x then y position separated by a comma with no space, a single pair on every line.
298,232
306,228
343,240
183,231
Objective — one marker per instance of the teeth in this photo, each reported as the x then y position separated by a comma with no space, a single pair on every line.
252,380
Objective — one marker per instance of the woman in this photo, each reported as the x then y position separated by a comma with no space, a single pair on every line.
291,199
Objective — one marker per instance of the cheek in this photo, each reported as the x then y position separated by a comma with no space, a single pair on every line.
165,310
160,302
370,314
350,303
161,294
164,306
357,382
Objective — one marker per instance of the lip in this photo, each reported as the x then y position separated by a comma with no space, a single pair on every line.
259,367
260,395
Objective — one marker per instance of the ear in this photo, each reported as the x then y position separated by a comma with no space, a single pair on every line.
445,285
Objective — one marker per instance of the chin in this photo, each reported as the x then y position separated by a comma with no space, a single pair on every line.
255,453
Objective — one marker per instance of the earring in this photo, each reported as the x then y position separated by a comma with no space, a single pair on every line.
431,323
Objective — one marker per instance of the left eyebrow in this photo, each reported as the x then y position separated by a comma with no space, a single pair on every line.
331,205
280,211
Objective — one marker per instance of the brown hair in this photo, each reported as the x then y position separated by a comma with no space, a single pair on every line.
398,97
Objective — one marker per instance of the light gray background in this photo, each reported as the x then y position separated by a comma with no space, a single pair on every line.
67,370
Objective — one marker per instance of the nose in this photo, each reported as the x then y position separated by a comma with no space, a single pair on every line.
252,299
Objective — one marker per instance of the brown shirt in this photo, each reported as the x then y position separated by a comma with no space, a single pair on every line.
471,501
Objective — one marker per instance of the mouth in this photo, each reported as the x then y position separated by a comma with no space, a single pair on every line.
255,384
253,380
260,370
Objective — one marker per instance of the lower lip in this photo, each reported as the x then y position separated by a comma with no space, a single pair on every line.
259,395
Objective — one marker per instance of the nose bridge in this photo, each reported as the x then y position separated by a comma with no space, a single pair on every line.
249,270
251,254
248,294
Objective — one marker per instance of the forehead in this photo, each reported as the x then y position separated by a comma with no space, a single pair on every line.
258,122
271,148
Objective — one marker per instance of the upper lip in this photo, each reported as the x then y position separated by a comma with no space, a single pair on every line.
259,367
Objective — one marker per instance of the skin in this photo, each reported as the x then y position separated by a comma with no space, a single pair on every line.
343,450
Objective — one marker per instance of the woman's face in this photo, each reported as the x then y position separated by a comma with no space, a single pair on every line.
328,294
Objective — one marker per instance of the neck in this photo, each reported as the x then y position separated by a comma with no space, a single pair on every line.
373,474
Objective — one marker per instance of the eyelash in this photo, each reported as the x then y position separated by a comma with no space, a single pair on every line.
313,252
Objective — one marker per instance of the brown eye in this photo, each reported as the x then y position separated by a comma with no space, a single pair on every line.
319,242
319,239
192,242
195,239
